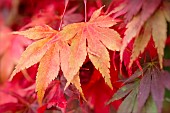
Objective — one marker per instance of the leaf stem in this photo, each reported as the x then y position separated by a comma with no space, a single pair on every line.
27,76
85,10
65,7
114,56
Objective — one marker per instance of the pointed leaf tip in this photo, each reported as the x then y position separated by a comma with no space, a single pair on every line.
96,14
77,84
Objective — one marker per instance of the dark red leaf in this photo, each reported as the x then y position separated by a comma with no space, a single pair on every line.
11,107
148,8
122,92
157,89
136,74
130,12
166,62
165,79
128,104
42,109
144,90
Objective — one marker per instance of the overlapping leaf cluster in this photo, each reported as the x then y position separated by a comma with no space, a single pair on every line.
68,50
145,20
145,95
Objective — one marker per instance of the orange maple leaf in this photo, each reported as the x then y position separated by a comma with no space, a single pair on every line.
68,49
99,37
38,52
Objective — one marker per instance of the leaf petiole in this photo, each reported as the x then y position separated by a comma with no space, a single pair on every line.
85,10
65,7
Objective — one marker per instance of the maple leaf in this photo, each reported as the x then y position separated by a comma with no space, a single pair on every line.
150,29
135,25
152,85
149,84
98,36
53,45
145,8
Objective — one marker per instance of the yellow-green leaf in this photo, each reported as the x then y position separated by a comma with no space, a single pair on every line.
159,33
133,29
140,43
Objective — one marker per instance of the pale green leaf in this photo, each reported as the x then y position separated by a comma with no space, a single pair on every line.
159,33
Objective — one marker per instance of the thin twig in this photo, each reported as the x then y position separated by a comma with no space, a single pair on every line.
65,7
85,10
27,76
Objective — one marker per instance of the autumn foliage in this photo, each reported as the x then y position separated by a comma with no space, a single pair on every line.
87,56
